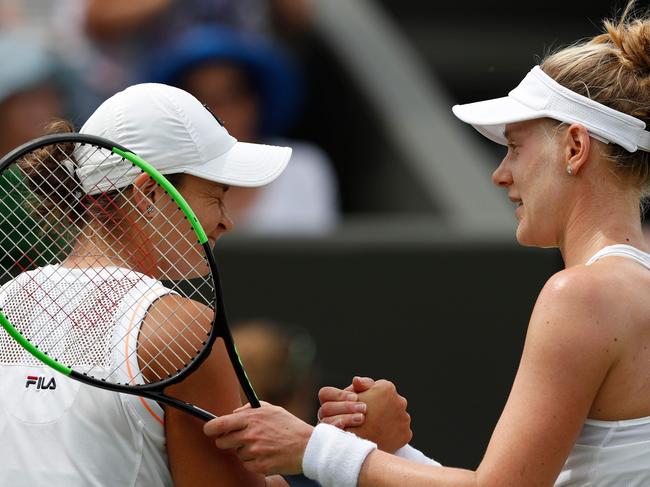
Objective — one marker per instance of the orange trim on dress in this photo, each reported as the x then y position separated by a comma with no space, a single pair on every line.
129,372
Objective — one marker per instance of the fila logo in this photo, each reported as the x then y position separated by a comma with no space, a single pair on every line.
40,382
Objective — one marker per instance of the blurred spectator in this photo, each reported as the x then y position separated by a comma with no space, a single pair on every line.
125,31
31,90
280,361
36,18
255,89
31,96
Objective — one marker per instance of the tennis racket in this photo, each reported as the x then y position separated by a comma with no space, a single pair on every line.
97,286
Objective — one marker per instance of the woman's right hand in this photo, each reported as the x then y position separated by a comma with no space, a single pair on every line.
370,409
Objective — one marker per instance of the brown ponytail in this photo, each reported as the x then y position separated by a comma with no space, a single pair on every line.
51,183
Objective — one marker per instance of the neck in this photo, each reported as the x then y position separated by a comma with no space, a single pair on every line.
612,221
128,255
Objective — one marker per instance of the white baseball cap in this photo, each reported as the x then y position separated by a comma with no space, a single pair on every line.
175,133
539,96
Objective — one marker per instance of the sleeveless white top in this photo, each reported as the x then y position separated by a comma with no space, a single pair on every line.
57,432
611,453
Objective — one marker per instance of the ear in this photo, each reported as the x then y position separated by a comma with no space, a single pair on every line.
578,147
144,193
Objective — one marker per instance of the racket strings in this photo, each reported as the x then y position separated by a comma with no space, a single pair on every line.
181,335
79,324
162,351
67,332
163,357
50,214
26,238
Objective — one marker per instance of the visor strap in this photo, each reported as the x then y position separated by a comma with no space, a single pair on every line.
644,141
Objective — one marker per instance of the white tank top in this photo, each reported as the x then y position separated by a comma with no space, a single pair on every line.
57,432
611,453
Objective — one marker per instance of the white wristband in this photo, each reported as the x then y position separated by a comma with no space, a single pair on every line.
334,457
415,455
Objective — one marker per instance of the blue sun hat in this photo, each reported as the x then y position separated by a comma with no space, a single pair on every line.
273,73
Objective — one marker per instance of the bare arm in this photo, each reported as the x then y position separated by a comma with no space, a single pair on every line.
193,458
567,355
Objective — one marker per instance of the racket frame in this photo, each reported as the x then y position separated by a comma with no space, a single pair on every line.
219,326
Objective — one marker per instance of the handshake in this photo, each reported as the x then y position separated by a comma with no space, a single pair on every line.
270,440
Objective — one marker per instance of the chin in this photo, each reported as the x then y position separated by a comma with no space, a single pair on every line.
525,238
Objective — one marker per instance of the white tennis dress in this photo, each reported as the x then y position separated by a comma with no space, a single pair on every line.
55,431
611,453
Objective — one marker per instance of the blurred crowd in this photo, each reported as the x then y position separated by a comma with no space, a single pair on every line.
240,57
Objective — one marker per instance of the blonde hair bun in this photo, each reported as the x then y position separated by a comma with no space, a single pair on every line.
632,38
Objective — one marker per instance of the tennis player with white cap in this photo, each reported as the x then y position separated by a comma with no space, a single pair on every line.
577,166
95,437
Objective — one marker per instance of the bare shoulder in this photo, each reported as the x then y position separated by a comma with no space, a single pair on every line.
178,308
597,303
172,333
607,287
573,308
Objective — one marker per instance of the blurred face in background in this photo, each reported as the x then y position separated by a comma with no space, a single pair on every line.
228,92
24,115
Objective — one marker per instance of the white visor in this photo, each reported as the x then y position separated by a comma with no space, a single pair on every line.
540,96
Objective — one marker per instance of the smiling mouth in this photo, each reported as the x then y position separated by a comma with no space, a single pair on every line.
516,201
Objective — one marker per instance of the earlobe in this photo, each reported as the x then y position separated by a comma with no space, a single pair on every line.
578,148
144,193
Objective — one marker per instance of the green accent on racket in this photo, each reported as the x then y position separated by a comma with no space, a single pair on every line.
160,179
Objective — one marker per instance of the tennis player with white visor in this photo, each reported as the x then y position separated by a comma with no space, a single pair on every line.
577,167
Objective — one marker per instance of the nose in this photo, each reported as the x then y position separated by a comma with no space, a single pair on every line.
502,177
226,224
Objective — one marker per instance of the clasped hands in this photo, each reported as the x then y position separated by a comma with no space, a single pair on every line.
270,440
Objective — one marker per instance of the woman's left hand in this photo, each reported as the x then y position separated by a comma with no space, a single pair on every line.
268,440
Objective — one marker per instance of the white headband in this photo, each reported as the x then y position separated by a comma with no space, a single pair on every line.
539,96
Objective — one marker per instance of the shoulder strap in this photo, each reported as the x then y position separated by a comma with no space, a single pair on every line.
622,250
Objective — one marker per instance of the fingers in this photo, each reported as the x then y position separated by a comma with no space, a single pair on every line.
225,424
248,406
242,408
344,421
329,409
340,408
267,439
361,384
330,394
233,440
